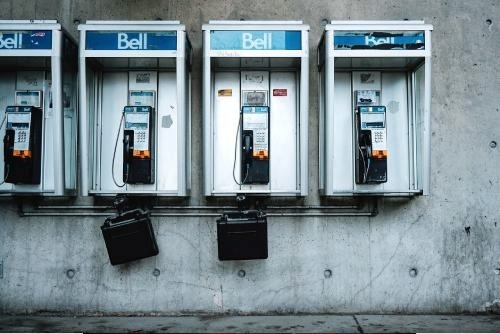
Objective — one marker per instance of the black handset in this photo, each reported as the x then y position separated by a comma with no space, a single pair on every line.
8,145
127,154
247,146
127,148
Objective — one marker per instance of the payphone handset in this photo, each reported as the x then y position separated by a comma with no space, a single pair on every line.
137,145
255,144
371,139
22,144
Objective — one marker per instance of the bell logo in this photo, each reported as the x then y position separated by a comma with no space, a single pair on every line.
251,43
126,43
14,41
372,40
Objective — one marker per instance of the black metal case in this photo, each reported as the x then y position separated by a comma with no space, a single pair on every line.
129,236
242,236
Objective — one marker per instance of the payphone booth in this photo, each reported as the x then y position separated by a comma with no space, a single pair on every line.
255,107
375,105
135,108
38,65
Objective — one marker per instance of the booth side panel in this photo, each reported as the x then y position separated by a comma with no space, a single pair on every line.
7,85
321,124
51,130
226,117
419,89
207,101
395,97
342,136
188,133
88,134
283,133
70,149
70,130
303,127
167,128
114,84
56,176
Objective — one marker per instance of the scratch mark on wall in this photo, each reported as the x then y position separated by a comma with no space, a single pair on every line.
222,298
381,271
180,235
291,288
98,278
204,287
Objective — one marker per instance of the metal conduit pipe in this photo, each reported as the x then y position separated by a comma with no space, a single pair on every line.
305,214
166,207
161,207
369,209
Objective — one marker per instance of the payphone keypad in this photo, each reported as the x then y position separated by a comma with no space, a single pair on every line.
260,137
141,136
378,136
22,136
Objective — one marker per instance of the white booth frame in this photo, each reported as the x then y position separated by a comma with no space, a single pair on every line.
182,56
332,160
53,177
300,177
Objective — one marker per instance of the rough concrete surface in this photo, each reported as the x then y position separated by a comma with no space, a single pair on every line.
438,253
358,323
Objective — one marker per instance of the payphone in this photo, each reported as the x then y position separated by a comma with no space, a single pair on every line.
255,108
374,103
22,144
371,153
138,164
141,70
255,145
38,62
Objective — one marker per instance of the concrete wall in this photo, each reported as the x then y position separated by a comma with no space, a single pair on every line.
451,237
